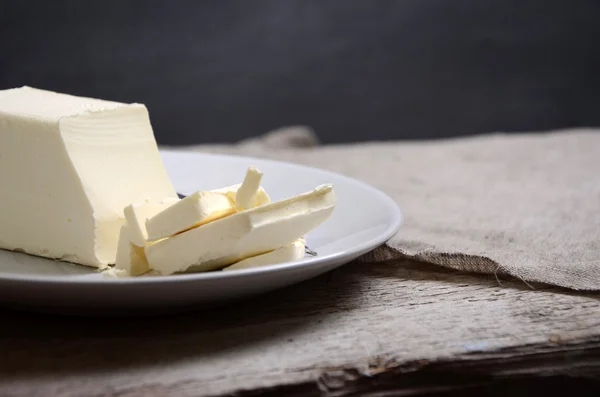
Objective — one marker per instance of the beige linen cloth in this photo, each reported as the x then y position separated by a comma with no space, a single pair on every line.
525,205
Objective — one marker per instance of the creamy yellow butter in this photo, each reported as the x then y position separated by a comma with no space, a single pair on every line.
244,234
68,167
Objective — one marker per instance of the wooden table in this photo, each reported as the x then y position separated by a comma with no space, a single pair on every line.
388,329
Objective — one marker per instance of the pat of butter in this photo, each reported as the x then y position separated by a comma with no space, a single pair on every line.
287,253
68,167
242,235
246,194
194,210
136,216
131,259
206,206
260,198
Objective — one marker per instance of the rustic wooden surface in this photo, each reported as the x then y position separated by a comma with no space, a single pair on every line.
385,329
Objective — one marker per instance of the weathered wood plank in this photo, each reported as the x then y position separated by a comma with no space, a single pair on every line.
361,326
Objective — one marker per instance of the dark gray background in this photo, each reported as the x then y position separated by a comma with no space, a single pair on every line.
354,70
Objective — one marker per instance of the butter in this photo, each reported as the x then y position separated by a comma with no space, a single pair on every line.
246,194
68,167
260,198
244,234
194,210
202,207
288,253
131,259
136,216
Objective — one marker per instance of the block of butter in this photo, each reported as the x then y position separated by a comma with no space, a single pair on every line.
68,167
242,235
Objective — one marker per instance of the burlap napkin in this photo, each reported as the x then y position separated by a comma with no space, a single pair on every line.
525,205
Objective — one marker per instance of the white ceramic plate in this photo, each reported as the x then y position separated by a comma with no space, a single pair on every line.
363,219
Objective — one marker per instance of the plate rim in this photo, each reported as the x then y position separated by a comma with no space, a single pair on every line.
356,251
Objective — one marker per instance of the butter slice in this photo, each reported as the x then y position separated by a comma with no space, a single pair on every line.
194,210
136,216
68,167
206,206
288,253
260,198
246,194
131,259
242,235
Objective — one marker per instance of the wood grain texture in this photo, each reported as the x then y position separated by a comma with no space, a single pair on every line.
391,328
